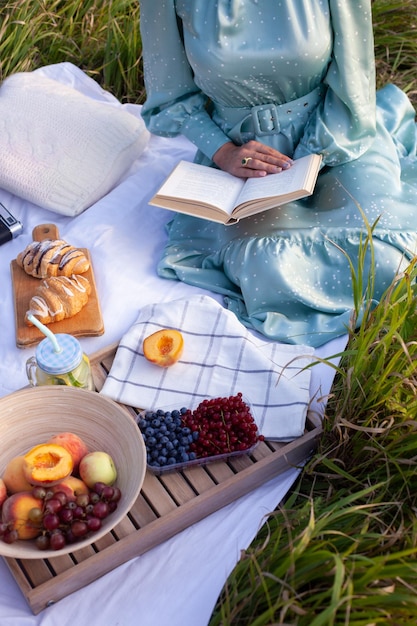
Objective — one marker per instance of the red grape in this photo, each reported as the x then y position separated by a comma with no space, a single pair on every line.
66,515
53,505
101,510
42,542
50,521
57,541
79,528
94,523
10,536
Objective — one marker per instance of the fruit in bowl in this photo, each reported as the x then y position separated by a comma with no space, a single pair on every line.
73,444
65,514
47,464
3,491
55,512
14,477
97,467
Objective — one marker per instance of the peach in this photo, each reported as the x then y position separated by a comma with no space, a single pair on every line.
14,477
47,464
164,347
15,513
74,444
3,491
71,486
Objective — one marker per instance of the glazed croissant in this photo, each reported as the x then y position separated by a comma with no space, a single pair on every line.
59,297
52,257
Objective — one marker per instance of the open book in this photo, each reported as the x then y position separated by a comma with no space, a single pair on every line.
215,195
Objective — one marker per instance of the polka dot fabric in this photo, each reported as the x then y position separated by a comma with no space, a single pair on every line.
286,272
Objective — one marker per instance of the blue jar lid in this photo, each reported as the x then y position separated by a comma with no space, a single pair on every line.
67,359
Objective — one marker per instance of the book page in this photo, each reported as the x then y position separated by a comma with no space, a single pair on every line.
276,184
201,184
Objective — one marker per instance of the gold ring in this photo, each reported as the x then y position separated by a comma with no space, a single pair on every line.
246,161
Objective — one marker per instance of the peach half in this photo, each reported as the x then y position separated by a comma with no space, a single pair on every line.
164,347
15,513
74,444
47,464
14,477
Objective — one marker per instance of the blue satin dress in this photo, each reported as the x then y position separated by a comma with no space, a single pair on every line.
286,272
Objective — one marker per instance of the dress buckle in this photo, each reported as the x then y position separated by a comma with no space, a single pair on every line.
265,119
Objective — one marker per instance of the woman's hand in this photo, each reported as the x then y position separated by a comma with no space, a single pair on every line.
252,160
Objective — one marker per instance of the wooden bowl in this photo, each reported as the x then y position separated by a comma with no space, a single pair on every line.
31,416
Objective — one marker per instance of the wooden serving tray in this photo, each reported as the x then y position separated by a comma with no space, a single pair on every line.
88,322
166,505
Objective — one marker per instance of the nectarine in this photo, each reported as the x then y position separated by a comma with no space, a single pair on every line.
47,464
14,477
15,513
74,444
3,491
71,486
163,347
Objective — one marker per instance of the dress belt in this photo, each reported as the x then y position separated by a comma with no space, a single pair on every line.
268,119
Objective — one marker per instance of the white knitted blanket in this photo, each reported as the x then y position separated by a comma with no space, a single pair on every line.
61,149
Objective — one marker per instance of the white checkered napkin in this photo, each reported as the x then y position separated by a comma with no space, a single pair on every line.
220,358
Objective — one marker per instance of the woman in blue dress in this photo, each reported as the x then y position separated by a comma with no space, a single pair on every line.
255,84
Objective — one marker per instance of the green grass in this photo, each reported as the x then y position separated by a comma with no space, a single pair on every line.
102,37
341,550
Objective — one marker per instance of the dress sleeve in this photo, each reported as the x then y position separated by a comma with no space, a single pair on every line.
174,104
343,125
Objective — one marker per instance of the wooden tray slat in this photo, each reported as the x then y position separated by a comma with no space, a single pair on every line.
166,505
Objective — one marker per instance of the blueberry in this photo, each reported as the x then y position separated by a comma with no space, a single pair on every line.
156,423
162,460
149,431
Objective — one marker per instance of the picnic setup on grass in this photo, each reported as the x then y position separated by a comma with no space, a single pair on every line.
86,380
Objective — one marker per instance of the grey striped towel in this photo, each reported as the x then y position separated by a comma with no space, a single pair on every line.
220,358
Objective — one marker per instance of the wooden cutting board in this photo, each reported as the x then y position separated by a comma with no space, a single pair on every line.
87,323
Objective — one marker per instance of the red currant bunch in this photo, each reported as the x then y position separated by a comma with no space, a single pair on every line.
224,425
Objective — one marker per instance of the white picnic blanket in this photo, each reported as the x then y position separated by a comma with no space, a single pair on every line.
176,583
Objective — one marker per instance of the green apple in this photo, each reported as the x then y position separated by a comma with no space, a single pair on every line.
97,467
